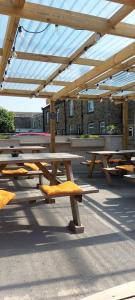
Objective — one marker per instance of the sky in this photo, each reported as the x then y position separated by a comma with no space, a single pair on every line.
19,104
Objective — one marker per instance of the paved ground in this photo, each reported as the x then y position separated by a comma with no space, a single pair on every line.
40,259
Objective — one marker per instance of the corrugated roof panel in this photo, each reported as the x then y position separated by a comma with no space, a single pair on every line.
123,93
19,86
73,72
60,41
100,8
120,79
94,92
31,69
107,46
3,26
130,19
52,88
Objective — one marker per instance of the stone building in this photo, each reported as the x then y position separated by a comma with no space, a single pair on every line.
84,117
28,121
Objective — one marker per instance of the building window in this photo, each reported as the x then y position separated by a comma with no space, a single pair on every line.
47,117
57,115
90,106
78,128
71,129
130,131
71,108
91,128
102,129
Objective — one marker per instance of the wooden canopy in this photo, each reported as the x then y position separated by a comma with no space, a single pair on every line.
78,49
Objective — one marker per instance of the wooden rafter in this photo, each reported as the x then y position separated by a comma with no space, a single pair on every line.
9,36
34,81
115,60
117,17
125,2
63,17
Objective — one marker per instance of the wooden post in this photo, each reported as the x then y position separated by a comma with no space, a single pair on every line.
52,125
125,125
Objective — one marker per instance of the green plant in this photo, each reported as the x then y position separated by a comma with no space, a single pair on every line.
112,129
4,137
6,121
89,136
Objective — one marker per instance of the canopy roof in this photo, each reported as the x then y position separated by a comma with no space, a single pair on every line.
70,48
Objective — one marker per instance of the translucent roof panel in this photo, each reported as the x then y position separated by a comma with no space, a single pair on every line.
53,88
93,92
107,46
123,93
120,79
19,86
130,19
31,69
73,72
100,8
60,41
3,25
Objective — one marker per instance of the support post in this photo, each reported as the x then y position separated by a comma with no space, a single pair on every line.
125,125
52,125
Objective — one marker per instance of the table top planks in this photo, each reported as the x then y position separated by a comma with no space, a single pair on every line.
109,152
21,148
38,157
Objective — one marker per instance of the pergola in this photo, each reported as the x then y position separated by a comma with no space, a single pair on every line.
75,49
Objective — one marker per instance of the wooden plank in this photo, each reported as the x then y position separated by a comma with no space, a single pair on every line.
52,125
104,66
55,59
9,36
125,125
59,16
125,2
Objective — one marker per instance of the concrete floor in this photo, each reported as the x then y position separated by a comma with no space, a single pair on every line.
40,259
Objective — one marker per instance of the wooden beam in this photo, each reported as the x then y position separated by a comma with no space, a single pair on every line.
9,36
125,124
125,2
104,66
62,17
52,125
56,59
117,17
18,3
35,81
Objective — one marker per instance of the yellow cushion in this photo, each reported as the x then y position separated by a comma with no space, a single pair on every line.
63,189
128,168
14,172
33,166
5,197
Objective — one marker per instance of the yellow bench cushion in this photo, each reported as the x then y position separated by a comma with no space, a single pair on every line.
128,168
33,166
97,161
63,189
5,197
14,172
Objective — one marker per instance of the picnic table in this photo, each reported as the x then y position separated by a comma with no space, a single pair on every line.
105,156
22,149
55,159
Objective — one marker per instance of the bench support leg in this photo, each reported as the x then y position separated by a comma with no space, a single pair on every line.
75,225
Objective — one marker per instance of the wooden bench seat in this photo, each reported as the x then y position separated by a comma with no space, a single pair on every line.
37,196
111,169
29,174
88,162
130,177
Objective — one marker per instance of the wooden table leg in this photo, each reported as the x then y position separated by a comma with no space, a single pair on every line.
105,165
75,224
91,168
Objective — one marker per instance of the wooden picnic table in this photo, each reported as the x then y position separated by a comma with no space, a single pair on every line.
55,159
21,149
105,156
